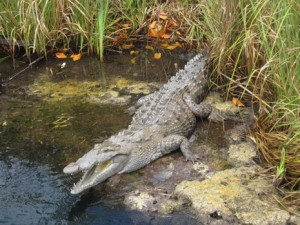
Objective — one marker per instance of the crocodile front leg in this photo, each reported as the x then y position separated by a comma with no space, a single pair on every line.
204,110
173,142
201,110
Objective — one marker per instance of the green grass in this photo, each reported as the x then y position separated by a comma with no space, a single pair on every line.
255,50
101,26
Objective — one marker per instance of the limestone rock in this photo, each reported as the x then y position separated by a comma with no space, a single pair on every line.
233,196
242,154
140,201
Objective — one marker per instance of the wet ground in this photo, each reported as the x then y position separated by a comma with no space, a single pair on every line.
51,115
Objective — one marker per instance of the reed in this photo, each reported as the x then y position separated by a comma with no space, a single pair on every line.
255,55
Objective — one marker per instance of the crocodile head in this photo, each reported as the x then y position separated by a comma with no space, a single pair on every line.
97,165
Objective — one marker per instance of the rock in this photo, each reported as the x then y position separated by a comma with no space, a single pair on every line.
227,107
122,100
144,201
201,168
165,174
140,201
233,196
242,154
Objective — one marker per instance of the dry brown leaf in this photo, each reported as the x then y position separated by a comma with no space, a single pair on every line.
171,47
133,60
164,45
61,55
157,55
149,47
152,25
173,24
166,36
177,44
127,46
237,102
163,15
154,33
76,57
133,52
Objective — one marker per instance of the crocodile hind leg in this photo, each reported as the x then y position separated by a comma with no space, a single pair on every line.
173,142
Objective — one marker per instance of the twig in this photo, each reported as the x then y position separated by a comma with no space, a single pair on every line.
26,68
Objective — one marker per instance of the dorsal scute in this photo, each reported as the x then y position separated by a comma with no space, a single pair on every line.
179,82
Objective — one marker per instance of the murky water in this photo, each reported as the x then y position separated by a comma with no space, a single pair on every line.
42,130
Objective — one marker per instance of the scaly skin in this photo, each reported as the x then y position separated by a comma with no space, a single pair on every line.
162,124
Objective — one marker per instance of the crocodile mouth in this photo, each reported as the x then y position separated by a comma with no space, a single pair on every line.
96,174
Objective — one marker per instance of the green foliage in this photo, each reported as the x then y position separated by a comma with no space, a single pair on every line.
280,171
101,26
255,55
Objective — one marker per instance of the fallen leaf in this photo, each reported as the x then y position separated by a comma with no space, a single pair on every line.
177,44
133,60
127,46
164,45
76,57
157,55
171,47
166,36
127,24
60,55
173,24
153,33
133,52
152,25
163,15
237,102
149,47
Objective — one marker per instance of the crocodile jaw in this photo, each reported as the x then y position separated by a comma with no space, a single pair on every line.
97,174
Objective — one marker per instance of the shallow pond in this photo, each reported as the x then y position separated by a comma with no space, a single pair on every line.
51,115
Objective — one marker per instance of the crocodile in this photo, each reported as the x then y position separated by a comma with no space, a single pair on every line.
162,123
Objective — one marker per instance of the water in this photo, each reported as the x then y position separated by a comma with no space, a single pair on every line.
42,130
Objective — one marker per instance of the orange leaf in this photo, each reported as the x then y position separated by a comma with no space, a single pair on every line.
177,44
237,102
126,25
174,24
153,33
133,60
133,52
152,25
166,36
163,15
149,47
127,46
171,47
76,57
157,55
60,55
